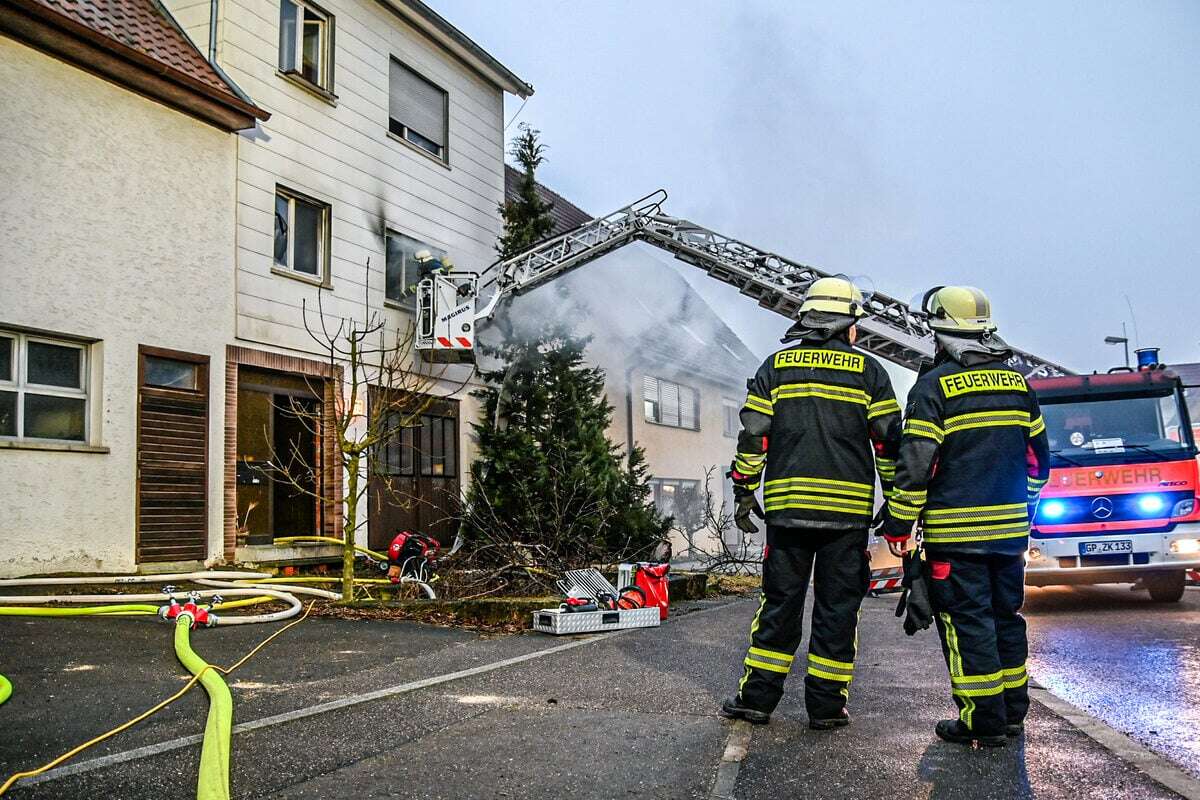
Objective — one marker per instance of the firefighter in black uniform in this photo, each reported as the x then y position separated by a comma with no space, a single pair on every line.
820,418
973,460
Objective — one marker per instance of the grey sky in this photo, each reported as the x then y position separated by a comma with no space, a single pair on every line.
1046,152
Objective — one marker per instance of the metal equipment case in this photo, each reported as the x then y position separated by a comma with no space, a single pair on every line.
558,622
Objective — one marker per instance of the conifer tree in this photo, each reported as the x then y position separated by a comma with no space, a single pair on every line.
526,218
547,478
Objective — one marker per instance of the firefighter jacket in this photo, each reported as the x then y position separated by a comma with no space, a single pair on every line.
820,419
973,459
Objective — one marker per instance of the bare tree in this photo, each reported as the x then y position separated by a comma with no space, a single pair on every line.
711,531
376,386
503,556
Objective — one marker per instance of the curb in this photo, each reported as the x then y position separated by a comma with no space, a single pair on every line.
1120,745
736,748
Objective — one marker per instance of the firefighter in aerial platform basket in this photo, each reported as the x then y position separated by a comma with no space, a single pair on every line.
973,460
820,419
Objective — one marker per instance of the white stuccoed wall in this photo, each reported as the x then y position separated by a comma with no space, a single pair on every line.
117,221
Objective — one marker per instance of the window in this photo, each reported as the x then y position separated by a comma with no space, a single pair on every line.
306,43
1118,428
43,388
671,404
169,373
402,270
417,110
731,419
438,446
680,499
397,449
428,449
301,235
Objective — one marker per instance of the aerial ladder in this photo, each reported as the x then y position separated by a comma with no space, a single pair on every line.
450,305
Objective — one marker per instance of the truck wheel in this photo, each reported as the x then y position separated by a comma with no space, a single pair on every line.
1166,587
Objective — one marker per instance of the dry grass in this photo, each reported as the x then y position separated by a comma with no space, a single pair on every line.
723,585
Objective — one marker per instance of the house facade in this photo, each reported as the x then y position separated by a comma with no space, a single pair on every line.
675,373
118,158
386,139
375,134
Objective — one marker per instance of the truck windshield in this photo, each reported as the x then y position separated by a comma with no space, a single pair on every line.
1116,429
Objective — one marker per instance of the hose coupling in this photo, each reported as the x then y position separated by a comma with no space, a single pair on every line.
197,615
171,609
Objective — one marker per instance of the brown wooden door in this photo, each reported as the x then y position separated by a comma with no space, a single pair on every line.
172,456
414,482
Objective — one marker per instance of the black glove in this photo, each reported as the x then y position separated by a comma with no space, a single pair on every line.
915,605
881,516
891,528
746,504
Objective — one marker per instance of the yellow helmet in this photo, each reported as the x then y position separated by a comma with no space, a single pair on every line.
835,295
961,309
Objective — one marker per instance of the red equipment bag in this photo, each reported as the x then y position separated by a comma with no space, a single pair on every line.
408,550
652,580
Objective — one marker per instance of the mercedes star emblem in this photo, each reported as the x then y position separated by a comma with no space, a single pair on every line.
1102,508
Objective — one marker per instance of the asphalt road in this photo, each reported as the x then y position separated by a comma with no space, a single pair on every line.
1131,662
620,716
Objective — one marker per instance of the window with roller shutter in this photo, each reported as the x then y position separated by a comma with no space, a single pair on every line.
418,111
671,404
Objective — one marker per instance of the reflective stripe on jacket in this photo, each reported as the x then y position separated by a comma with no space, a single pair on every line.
973,459
820,420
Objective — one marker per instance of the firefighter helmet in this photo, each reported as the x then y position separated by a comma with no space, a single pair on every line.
835,295
958,309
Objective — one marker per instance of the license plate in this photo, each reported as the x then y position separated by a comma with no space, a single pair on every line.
1105,546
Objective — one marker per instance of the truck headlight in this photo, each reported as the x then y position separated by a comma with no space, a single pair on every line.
1184,508
1185,546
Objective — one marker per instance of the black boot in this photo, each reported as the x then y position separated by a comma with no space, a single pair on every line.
732,708
1014,729
952,730
829,723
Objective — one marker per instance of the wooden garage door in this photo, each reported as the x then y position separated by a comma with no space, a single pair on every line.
414,485
172,453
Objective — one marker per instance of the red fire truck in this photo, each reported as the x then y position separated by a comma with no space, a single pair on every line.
1121,505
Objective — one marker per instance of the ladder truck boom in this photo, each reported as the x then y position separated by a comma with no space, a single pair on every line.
447,312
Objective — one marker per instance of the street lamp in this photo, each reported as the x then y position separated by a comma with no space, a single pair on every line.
1120,340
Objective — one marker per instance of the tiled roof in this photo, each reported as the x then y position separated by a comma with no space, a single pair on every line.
141,25
566,214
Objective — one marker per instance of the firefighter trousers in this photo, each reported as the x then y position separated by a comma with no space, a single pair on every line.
976,602
837,563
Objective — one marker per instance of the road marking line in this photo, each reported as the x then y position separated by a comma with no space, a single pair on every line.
1125,748
332,705
736,748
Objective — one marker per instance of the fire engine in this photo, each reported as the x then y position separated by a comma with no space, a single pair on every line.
1121,504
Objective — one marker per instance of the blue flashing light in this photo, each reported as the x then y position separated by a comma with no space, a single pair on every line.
1053,509
1151,503
1147,357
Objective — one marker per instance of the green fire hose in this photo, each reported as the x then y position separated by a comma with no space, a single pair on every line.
5,689
116,609
213,783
